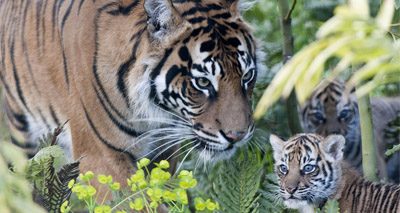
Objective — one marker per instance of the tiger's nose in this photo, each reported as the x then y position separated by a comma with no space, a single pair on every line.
235,136
291,189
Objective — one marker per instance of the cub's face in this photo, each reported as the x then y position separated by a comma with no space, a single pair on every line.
308,168
208,78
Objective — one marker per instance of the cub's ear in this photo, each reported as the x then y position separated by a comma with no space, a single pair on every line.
163,19
277,145
333,146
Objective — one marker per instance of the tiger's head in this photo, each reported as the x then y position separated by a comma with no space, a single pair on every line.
308,167
203,67
331,110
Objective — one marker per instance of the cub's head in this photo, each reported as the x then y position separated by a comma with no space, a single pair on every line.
308,167
331,110
205,68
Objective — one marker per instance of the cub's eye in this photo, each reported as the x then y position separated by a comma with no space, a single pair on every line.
308,169
203,82
344,114
248,76
283,169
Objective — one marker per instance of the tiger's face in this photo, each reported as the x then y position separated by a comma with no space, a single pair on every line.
207,77
308,167
331,110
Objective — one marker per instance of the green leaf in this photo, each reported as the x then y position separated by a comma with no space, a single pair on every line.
394,149
332,206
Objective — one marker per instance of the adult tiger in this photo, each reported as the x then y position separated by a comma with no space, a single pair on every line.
310,170
120,69
332,110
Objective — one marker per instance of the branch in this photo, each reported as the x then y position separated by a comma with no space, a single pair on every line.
367,138
287,53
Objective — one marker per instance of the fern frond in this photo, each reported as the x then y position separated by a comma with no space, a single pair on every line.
56,190
237,184
270,200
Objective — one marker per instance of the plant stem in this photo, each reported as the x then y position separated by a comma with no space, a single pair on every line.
287,53
367,138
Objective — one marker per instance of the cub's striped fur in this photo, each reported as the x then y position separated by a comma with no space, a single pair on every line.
333,110
135,78
310,170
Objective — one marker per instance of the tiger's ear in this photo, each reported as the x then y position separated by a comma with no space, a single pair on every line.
333,146
277,145
163,19
237,7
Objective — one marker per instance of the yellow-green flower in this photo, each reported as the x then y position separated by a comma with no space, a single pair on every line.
71,183
102,179
115,186
102,209
156,173
169,196
153,205
109,179
192,183
199,203
91,191
142,184
65,208
143,162
210,205
138,176
164,164
165,176
181,196
134,187
150,192
138,204
183,173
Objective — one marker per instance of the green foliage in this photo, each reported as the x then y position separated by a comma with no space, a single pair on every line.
351,36
236,186
331,206
15,193
391,151
146,192
393,132
270,200
51,187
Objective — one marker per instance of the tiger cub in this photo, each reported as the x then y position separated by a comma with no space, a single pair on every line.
332,110
311,169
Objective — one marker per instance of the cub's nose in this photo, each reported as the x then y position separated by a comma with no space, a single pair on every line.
233,137
291,189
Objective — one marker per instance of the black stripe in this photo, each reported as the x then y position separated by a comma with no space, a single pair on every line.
156,72
24,146
17,83
44,26
53,19
38,12
24,48
54,116
125,68
222,16
44,119
109,145
80,5
120,126
94,67
67,13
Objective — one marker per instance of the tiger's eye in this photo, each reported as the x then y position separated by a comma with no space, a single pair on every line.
317,116
344,114
308,169
283,169
248,76
203,82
